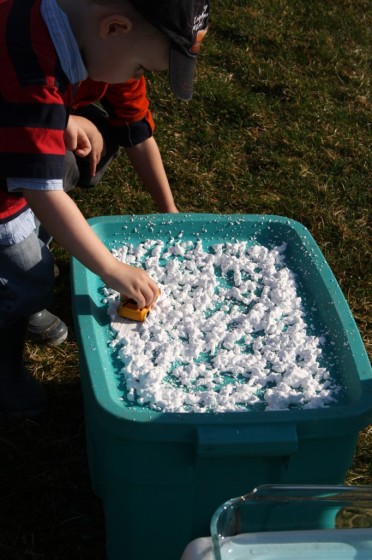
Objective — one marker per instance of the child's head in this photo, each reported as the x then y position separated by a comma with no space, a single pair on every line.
124,38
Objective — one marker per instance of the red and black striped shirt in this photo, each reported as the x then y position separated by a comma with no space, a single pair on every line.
35,99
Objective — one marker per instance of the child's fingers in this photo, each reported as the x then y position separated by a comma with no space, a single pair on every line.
95,156
83,145
155,298
145,295
134,283
82,151
155,293
93,164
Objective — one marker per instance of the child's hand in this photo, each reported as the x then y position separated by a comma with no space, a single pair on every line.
95,139
132,282
65,223
76,139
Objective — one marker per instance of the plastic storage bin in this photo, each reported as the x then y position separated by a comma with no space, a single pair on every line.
290,522
160,476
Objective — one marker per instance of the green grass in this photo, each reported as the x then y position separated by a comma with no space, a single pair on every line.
279,124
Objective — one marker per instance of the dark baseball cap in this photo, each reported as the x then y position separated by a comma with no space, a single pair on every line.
185,22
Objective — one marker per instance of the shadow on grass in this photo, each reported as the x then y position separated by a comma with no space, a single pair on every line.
47,508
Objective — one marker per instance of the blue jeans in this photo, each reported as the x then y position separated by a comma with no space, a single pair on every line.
26,279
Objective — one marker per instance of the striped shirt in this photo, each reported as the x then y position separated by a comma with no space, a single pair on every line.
40,63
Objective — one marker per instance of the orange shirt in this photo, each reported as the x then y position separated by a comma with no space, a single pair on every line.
125,103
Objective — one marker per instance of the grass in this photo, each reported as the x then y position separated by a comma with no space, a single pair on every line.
279,124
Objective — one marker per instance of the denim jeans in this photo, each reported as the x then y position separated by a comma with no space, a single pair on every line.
26,279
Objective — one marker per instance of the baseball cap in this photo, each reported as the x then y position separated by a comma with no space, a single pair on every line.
185,22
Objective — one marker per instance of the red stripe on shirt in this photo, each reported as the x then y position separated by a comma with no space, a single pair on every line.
32,141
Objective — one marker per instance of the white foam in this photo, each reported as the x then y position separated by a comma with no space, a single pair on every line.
228,332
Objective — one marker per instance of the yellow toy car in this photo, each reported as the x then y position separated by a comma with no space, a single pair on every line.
129,310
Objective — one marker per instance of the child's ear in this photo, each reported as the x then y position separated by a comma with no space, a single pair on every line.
110,26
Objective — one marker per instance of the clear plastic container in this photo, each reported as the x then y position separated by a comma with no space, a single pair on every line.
284,522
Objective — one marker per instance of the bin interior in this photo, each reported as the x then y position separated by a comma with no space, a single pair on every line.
326,309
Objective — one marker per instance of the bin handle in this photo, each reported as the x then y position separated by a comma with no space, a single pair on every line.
269,440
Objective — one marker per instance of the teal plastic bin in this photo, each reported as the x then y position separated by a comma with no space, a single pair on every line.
161,476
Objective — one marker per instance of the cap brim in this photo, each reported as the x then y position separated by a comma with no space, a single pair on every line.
181,74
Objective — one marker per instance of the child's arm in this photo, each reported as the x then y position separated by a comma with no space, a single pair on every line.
147,162
127,105
65,223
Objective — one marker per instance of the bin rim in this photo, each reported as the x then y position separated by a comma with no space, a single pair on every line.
356,413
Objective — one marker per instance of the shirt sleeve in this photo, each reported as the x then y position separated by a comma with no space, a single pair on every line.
16,184
128,108
32,127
